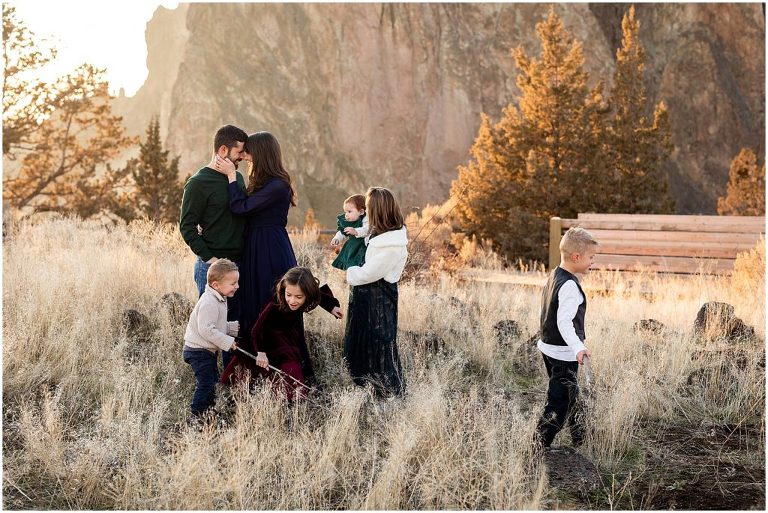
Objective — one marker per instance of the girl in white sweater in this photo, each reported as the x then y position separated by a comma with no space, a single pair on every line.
370,342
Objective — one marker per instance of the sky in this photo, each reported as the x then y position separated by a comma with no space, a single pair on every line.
108,34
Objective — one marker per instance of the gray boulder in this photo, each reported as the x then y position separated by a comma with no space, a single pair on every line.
177,307
717,321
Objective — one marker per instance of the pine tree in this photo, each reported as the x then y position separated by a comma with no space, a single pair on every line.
158,188
63,133
638,146
542,159
25,99
484,179
64,162
746,187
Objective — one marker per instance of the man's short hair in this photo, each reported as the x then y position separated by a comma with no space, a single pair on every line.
229,136
577,240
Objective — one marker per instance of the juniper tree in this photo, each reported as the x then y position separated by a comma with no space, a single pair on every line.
158,190
745,195
63,133
638,145
310,221
543,158
25,99
64,168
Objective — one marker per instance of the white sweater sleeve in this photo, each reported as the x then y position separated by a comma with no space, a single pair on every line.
363,230
377,265
339,236
206,327
569,299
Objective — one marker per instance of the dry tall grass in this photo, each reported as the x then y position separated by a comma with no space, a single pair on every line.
94,420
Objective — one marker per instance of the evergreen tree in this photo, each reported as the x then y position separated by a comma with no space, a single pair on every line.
638,146
542,159
483,187
310,221
62,132
25,99
158,188
746,187
64,164
565,149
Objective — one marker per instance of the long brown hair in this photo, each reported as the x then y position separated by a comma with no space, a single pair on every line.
267,163
383,211
309,285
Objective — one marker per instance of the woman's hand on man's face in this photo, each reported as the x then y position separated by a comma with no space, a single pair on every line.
224,166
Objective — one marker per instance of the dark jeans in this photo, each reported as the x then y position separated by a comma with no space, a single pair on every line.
204,366
233,303
562,402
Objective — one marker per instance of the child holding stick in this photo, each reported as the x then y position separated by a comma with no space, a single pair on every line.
278,338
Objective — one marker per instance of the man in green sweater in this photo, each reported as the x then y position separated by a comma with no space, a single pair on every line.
207,224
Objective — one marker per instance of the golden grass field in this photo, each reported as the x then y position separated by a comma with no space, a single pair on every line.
94,419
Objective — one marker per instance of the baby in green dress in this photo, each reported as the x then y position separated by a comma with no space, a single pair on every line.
353,226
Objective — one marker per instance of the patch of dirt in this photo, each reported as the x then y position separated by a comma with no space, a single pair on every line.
701,468
569,471
674,467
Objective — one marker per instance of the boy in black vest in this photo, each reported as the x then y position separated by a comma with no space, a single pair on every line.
562,335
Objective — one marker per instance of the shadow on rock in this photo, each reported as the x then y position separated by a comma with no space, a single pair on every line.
137,326
526,357
424,343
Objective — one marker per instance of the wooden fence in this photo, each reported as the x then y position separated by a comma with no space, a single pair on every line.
666,243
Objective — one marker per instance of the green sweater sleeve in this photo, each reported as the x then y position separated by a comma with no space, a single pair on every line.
192,208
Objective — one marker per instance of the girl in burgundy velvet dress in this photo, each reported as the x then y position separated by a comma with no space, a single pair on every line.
278,339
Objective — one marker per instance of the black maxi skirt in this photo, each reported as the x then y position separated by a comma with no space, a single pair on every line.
370,342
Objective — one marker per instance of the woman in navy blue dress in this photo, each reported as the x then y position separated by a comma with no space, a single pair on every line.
268,252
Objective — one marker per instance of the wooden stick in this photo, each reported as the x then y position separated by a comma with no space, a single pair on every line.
587,371
278,371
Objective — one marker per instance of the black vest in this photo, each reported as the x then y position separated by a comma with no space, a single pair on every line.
550,334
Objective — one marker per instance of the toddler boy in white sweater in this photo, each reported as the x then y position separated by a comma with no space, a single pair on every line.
208,331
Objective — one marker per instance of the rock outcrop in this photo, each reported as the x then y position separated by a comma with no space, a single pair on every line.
391,94
717,321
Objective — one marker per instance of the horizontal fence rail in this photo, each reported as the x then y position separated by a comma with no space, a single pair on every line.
665,243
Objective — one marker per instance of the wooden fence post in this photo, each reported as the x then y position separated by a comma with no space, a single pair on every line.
555,232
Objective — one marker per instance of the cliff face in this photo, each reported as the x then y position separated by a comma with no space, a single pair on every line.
707,62
166,35
391,95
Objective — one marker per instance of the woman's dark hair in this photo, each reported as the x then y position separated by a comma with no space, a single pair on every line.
309,285
267,163
227,136
382,210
